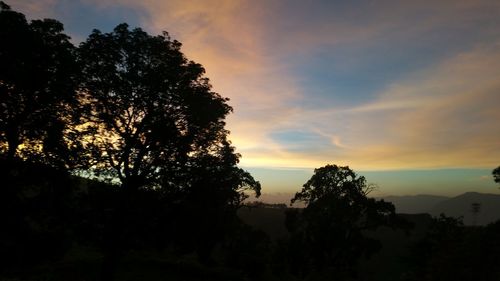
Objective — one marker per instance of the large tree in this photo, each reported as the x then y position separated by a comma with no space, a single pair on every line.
152,109
38,77
38,102
330,231
155,124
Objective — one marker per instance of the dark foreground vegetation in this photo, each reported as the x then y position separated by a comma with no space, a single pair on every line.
54,227
115,164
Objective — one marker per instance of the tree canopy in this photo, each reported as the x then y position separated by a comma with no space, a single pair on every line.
155,124
125,107
330,230
153,110
38,80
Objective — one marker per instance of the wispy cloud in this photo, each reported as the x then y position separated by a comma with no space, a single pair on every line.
444,116
438,108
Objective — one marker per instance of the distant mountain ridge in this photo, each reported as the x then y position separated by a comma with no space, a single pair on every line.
458,206
415,204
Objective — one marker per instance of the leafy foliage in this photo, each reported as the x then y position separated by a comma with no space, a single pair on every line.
38,79
125,107
329,232
450,251
152,109
214,188
155,125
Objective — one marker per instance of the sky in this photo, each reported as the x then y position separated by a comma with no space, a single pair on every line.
406,93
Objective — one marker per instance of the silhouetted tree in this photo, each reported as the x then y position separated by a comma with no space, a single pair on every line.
155,125
496,174
38,78
328,234
211,193
434,253
152,108
451,251
38,101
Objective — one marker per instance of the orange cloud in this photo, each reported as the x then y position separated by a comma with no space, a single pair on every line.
445,115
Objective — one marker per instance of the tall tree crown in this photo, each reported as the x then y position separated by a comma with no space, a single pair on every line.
38,79
152,110
333,180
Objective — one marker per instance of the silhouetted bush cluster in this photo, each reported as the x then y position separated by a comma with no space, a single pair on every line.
451,251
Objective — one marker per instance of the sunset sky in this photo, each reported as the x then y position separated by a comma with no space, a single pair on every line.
406,93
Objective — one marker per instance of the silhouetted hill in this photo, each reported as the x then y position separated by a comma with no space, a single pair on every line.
455,207
415,204
461,206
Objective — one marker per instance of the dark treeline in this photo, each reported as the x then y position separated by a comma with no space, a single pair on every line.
115,164
260,204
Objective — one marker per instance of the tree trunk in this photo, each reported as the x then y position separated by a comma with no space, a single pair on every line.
115,243
12,142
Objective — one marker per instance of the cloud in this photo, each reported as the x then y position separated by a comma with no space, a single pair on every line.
441,113
446,116
35,9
